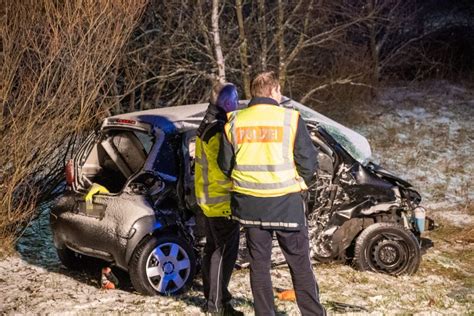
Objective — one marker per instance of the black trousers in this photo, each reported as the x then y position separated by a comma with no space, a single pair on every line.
295,248
220,254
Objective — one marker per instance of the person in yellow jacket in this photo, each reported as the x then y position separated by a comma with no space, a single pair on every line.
269,156
212,190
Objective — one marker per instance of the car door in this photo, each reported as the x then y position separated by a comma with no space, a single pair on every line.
187,172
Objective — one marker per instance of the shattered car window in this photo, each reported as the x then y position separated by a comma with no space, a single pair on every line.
354,143
166,163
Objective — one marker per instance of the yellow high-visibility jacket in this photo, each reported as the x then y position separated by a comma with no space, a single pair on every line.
212,187
263,139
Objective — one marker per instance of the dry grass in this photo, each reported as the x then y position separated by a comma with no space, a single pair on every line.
55,65
453,234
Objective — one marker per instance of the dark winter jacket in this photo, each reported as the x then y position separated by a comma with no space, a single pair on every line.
212,115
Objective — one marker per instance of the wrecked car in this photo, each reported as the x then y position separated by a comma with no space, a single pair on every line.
130,200
358,211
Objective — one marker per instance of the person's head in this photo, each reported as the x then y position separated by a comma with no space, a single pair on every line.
228,98
266,85
216,88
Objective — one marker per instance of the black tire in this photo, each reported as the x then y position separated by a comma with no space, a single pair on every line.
387,248
71,259
154,269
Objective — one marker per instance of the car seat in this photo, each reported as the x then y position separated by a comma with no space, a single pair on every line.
126,151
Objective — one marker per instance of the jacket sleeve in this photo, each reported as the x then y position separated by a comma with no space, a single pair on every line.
305,154
226,157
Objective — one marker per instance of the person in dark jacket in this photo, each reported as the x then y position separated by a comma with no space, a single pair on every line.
267,152
212,190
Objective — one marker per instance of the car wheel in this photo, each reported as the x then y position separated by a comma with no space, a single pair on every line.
162,265
71,259
387,248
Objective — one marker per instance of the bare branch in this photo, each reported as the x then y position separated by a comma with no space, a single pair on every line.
332,83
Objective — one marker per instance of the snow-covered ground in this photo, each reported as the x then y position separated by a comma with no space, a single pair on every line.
423,133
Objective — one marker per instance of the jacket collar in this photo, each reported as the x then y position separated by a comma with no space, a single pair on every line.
213,114
259,100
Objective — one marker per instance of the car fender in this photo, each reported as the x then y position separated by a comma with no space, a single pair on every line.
145,226
345,234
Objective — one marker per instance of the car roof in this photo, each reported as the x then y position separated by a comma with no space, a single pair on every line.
173,119
170,119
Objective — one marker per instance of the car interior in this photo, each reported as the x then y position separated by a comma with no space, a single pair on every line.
115,157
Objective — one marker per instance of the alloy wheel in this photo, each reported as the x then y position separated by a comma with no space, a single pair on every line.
168,267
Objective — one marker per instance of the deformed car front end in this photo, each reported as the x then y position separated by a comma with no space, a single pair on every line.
360,212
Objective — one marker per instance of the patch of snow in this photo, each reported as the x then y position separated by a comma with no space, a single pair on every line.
439,205
457,218
402,137
417,113
442,120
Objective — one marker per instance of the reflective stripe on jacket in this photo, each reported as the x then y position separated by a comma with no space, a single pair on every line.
263,138
212,187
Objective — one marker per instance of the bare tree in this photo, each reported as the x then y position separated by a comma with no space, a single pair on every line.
287,56
197,42
56,61
175,52
295,37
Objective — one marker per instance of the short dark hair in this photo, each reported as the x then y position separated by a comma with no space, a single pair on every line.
263,84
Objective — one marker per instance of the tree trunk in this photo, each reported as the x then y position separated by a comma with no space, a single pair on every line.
263,34
217,41
374,49
281,45
243,51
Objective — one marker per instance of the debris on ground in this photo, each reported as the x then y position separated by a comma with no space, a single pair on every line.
108,280
287,295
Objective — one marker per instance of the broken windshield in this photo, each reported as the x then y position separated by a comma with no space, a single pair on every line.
354,143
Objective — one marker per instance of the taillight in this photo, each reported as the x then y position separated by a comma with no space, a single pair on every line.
69,172
125,121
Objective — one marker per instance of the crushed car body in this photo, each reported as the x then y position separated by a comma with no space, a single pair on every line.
144,223
130,200
359,211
